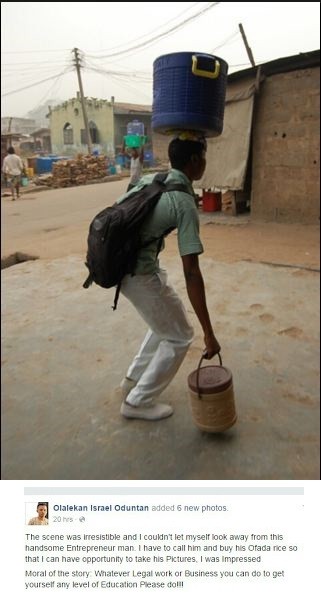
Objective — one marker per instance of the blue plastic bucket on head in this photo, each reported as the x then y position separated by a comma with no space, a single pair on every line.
189,90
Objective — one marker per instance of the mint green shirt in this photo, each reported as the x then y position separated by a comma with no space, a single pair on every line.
175,209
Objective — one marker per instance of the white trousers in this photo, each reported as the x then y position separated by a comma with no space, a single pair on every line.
167,340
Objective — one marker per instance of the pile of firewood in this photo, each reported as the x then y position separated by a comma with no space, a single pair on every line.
83,169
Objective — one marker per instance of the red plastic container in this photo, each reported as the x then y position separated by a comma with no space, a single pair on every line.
211,201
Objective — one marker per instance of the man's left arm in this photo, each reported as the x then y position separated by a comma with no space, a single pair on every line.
196,294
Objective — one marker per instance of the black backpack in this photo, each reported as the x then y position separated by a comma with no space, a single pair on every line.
114,240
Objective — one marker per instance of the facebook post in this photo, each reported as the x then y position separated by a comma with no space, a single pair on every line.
151,540
160,188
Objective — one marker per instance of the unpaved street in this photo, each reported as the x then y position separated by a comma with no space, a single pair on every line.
54,223
65,351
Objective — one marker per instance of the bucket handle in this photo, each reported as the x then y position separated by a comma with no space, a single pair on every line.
205,73
198,371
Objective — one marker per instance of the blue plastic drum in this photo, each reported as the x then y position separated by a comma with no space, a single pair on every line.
189,90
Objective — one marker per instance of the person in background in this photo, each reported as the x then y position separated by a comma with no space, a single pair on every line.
42,510
13,168
136,164
170,333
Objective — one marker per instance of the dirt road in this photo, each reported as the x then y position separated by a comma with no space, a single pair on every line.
65,352
54,223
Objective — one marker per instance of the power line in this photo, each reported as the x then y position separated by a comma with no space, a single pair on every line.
42,50
30,72
127,86
140,75
166,33
225,42
35,84
24,76
31,63
146,34
50,90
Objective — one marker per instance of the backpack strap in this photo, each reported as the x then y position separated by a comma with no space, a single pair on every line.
168,187
116,297
161,176
172,186
89,280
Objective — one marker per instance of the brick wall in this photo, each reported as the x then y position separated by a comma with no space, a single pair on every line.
286,158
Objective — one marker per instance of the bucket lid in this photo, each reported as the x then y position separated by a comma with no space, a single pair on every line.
212,380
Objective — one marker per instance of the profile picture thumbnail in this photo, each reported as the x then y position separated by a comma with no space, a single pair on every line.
41,509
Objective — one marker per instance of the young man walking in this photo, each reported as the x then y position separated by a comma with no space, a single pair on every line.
170,333
13,169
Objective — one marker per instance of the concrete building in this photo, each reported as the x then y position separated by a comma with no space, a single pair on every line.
68,135
12,124
42,141
125,113
107,122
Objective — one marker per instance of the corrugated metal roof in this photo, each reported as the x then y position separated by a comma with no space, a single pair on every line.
281,65
41,131
121,108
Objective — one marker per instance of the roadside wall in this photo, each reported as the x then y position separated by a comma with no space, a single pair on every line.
286,138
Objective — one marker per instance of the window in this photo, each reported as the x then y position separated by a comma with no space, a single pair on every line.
68,134
83,137
94,134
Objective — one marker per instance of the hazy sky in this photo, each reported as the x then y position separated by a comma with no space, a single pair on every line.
37,41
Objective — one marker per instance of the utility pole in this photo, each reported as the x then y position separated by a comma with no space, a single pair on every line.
8,132
82,99
247,47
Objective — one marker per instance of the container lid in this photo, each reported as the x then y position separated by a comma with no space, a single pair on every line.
212,380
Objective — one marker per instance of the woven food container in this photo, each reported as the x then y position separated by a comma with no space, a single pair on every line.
212,397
